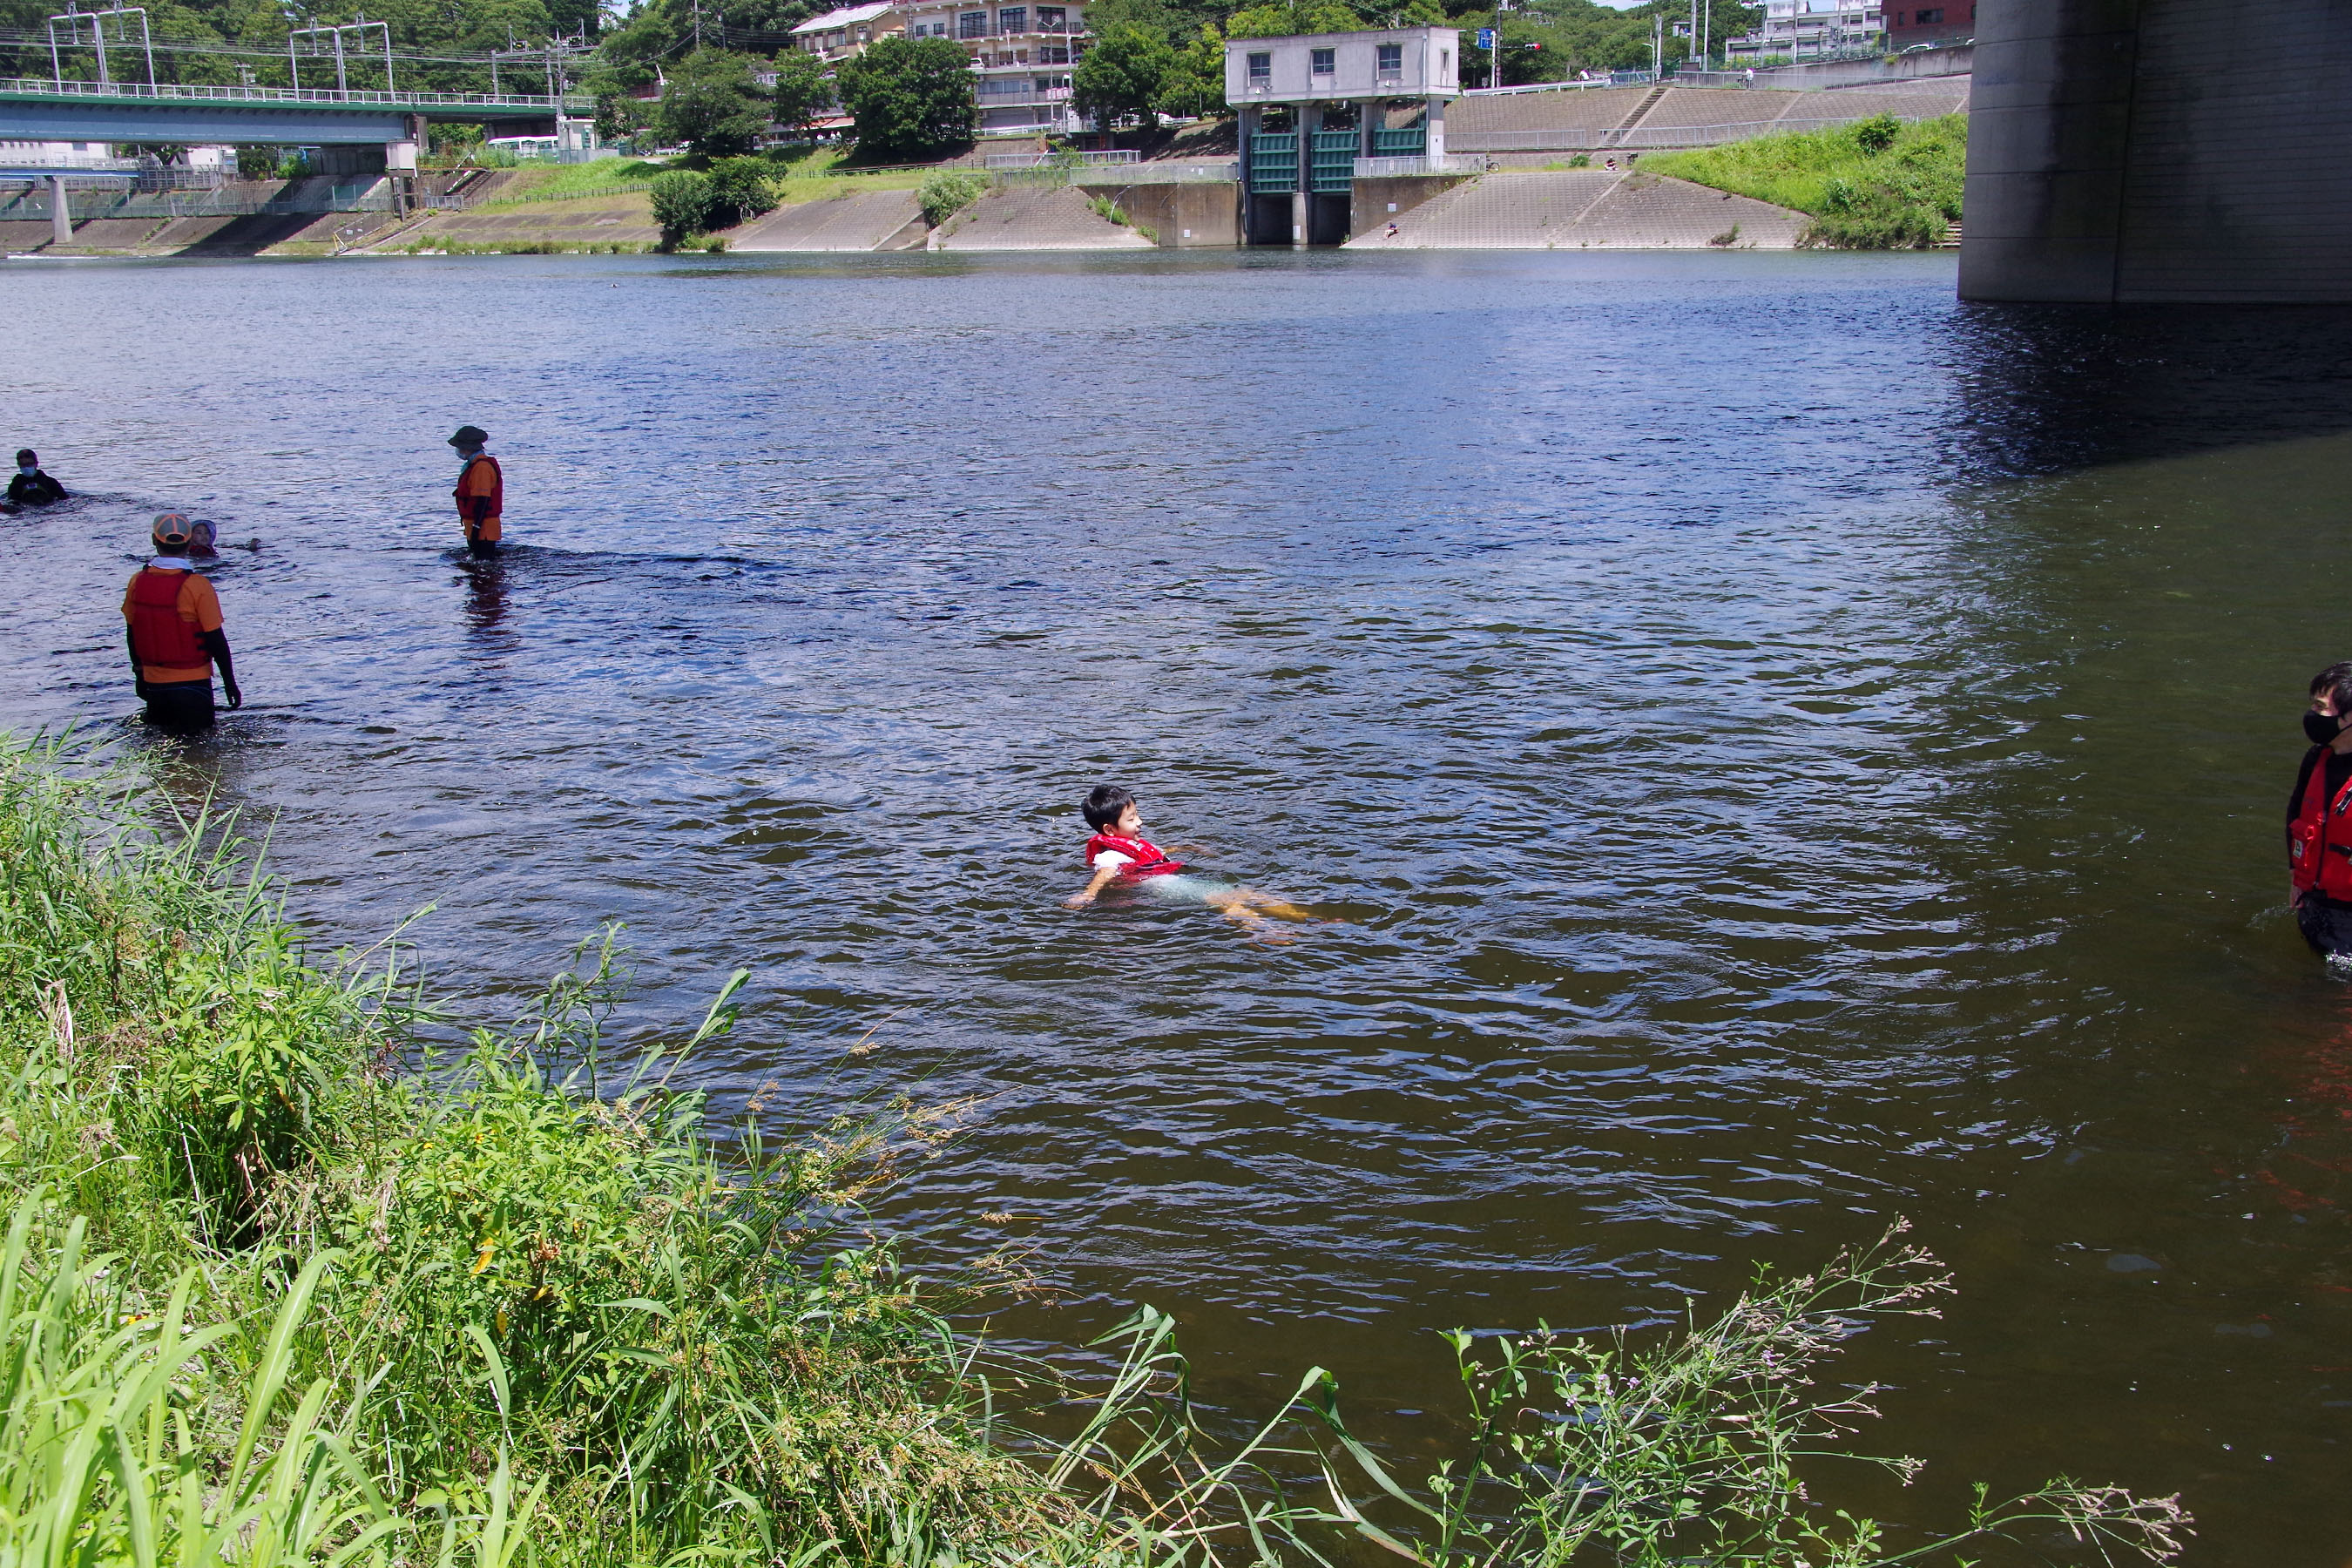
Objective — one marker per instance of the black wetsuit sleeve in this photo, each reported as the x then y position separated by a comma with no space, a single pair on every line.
2303,782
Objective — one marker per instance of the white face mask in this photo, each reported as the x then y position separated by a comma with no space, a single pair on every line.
27,470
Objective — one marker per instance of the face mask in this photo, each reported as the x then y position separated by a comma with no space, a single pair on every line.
27,469
2321,728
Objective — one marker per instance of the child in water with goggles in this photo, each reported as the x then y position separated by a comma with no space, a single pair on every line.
1120,853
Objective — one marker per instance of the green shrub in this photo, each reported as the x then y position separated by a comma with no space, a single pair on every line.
1875,184
740,189
947,192
1581,161
683,204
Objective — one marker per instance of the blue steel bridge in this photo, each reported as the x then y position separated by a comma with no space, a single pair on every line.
40,110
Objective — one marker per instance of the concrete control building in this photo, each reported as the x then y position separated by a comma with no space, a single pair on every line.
1312,106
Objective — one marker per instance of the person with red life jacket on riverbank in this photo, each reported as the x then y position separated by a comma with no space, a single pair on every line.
1119,854
175,635
481,490
2319,818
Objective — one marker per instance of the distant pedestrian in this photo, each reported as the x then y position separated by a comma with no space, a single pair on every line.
30,487
175,635
480,492
1392,228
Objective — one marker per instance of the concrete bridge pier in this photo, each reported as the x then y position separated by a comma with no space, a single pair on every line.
2159,150
60,217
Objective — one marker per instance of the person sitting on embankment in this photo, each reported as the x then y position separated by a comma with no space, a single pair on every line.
1119,853
30,487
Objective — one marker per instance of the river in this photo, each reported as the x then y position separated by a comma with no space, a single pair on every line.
1779,749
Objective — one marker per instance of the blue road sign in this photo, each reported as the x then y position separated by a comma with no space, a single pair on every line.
1486,37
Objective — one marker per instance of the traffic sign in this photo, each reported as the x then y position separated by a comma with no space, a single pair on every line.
1486,37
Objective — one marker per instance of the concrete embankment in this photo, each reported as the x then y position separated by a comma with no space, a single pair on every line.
1584,209
1051,219
622,222
855,220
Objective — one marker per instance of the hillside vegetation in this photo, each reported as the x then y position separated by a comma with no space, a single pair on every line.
1877,185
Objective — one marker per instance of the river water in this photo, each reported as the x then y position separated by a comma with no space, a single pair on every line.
1779,750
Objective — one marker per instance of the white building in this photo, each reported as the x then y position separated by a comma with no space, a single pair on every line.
1022,55
1803,29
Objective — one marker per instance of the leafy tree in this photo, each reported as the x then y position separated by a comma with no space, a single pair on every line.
739,189
1195,83
803,92
713,104
1122,77
910,97
682,204
1288,18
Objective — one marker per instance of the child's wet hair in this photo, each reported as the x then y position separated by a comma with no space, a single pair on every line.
1104,804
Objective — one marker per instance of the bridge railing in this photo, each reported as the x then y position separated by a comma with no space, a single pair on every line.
356,98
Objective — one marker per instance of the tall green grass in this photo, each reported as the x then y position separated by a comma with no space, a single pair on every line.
1877,185
279,1286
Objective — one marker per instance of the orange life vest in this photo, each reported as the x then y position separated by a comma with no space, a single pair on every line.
2319,839
157,631
498,489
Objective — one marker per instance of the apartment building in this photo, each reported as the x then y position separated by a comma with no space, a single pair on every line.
1954,22
1803,29
1021,55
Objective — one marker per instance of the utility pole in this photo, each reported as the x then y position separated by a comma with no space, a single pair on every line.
1657,46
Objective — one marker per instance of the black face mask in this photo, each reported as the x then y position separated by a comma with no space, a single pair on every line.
2322,730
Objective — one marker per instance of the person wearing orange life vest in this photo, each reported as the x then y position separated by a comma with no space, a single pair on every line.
481,490
175,638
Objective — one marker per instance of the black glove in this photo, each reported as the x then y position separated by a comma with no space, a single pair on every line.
236,698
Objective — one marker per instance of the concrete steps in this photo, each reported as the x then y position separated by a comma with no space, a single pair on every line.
1587,209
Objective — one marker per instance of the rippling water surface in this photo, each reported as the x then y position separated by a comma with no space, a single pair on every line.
1779,750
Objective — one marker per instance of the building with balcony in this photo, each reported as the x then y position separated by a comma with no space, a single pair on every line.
1811,29
838,35
1022,56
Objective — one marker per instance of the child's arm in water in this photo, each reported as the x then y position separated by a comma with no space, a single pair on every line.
1103,879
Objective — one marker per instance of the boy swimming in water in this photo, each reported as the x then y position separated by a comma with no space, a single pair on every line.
1120,853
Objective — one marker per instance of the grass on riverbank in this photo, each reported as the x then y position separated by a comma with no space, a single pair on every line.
1877,185
270,1297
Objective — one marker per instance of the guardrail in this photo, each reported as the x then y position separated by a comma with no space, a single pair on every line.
1168,173
1121,156
1601,138
177,92
1614,79
1426,163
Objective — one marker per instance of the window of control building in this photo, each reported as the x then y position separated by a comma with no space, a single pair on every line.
1012,19
1325,62
1052,19
1053,55
1392,59
1927,18
972,25
1261,67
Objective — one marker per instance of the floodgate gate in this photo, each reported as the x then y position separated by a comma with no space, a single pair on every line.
1324,110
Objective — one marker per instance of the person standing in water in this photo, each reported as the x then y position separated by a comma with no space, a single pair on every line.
480,492
30,487
175,635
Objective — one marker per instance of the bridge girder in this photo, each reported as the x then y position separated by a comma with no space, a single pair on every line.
39,117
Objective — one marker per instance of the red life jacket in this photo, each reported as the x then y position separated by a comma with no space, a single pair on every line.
498,489
157,632
1143,858
2319,839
